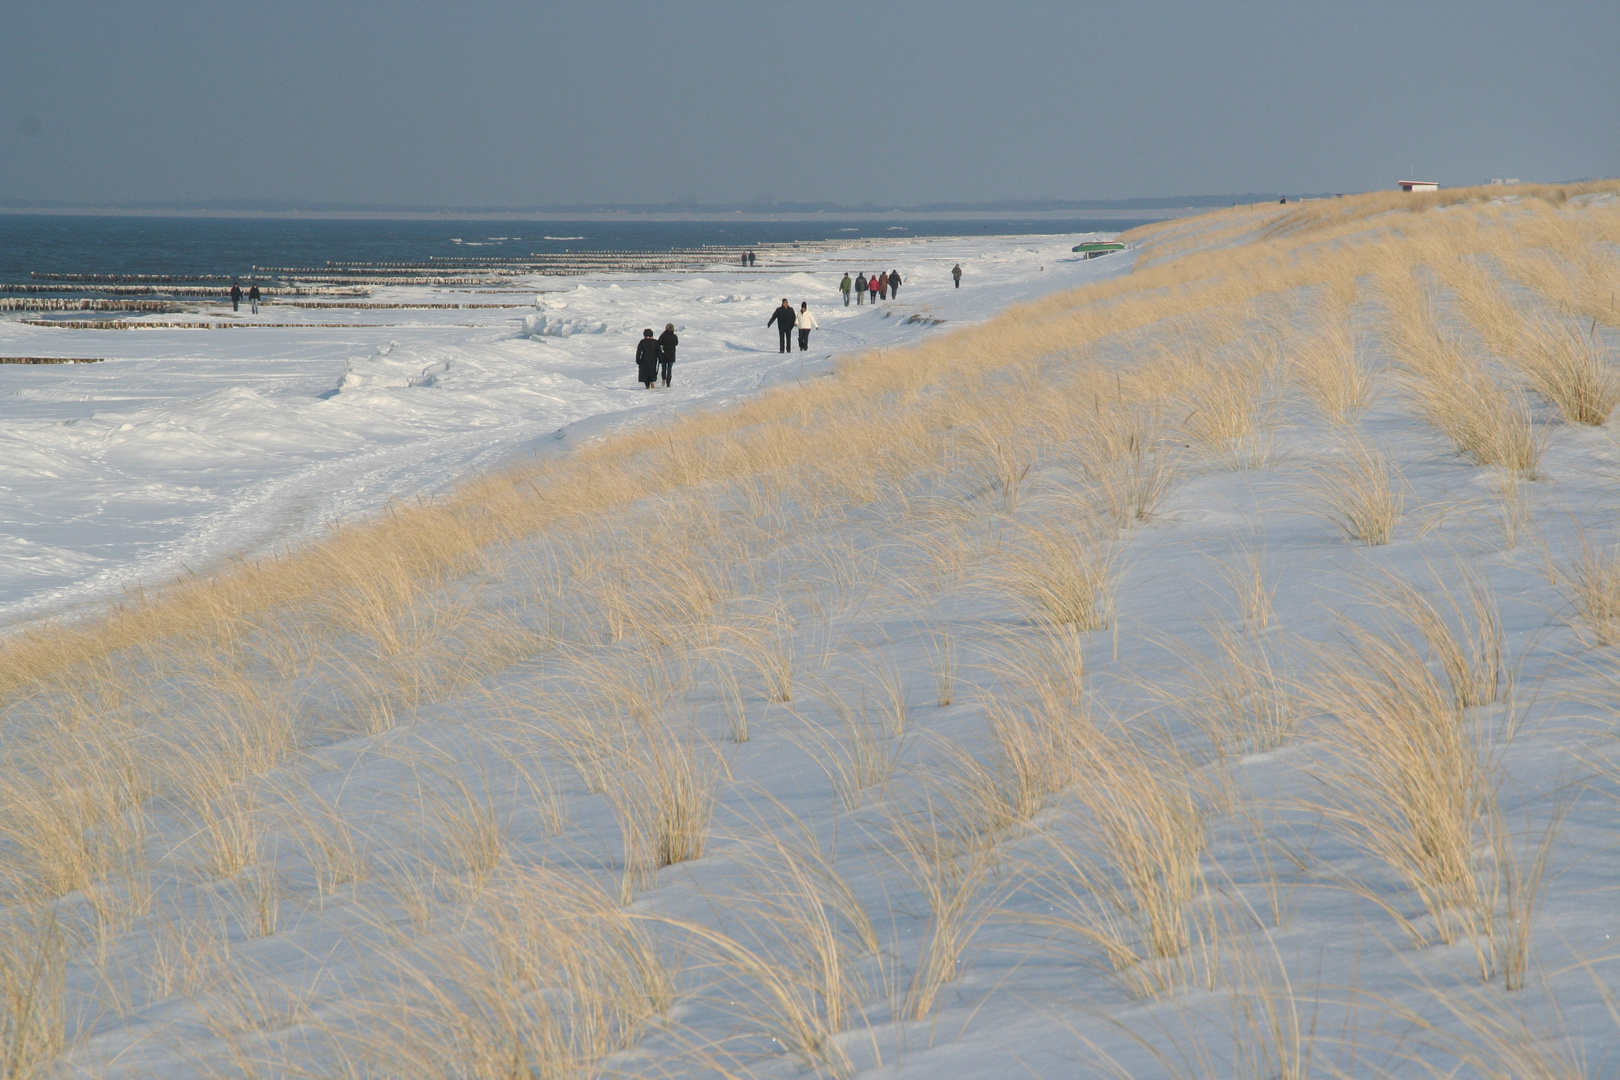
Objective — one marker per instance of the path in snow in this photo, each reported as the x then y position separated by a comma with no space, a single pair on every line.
189,446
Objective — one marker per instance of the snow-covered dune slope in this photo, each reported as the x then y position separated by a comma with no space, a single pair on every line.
1205,673
187,446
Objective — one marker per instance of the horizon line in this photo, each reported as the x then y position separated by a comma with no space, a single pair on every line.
1147,207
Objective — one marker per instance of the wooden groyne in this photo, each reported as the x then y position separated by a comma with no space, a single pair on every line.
136,279
331,285
122,324
52,359
359,305
51,303
394,273
201,293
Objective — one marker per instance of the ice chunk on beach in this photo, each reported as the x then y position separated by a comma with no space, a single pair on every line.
543,325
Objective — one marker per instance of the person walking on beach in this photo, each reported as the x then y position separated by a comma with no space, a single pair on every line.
253,297
666,351
844,287
894,284
750,258
236,296
882,280
783,318
807,323
860,289
956,275
872,289
647,357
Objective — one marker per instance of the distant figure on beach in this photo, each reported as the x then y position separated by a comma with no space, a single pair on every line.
807,323
647,357
253,297
750,258
743,258
872,288
894,284
1283,200
860,289
844,287
956,275
236,296
783,318
666,350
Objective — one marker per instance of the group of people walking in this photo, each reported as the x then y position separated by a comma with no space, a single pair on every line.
655,357
878,287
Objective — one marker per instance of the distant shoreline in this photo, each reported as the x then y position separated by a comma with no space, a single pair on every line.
897,216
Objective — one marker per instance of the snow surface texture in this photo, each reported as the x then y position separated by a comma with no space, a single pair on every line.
188,445
1040,700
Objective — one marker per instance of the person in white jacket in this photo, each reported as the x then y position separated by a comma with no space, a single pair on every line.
806,323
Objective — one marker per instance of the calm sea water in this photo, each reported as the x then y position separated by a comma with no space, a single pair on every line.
233,246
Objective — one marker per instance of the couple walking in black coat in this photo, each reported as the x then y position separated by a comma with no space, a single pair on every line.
655,356
786,319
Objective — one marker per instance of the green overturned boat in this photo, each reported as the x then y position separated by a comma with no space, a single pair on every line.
1096,248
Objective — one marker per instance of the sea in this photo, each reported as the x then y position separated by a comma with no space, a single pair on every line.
239,247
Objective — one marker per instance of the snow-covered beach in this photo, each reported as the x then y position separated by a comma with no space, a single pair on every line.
1205,671
187,446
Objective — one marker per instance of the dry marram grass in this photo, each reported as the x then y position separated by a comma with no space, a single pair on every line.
1360,492
1015,453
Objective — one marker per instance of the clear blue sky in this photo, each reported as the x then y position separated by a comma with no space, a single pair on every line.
898,103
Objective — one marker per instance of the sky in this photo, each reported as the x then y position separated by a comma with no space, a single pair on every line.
888,102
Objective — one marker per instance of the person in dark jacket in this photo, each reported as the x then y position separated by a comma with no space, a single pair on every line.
894,284
783,317
647,357
253,298
860,289
236,296
956,275
666,351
